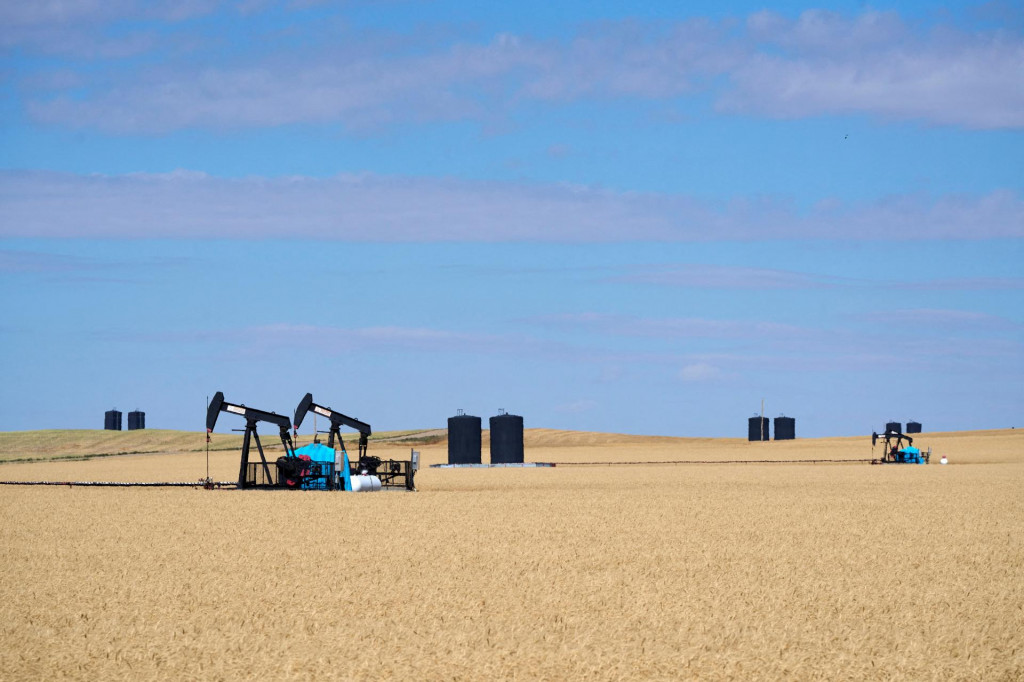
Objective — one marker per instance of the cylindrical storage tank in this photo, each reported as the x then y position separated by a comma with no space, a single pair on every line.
758,429
785,428
506,439
913,427
894,426
365,484
112,420
136,420
464,439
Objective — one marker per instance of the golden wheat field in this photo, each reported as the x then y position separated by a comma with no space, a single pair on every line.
763,571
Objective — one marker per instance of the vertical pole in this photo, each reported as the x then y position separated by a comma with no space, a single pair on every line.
762,421
207,444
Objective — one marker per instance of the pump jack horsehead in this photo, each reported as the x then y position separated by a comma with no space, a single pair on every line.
337,420
252,417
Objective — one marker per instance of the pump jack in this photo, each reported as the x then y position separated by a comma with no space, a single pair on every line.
252,416
392,473
895,452
337,420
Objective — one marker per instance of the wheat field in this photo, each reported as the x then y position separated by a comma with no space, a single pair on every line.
600,571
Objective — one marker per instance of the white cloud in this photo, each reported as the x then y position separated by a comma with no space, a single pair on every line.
700,371
82,27
842,67
826,31
818,63
366,84
371,208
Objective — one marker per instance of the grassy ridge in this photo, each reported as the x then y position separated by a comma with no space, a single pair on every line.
72,444
541,445
78,443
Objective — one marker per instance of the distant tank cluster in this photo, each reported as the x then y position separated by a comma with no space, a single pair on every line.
465,439
112,420
897,427
759,428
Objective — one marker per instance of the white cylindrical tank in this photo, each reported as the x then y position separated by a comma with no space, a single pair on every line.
365,484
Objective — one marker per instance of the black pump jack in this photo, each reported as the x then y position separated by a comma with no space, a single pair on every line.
337,420
252,416
392,473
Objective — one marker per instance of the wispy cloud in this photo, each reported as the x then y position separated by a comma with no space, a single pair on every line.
705,349
943,319
327,340
700,371
818,63
37,262
81,27
825,63
702,276
963,284
69,267
688,327
705,276
693,350
372,208
577,406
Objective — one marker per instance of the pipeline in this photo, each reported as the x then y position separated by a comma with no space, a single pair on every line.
122,484
718,461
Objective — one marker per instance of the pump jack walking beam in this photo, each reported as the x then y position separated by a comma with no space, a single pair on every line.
252,417
337,420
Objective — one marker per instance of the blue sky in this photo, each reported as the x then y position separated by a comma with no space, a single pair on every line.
597,215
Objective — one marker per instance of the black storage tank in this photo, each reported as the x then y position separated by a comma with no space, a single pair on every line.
758,428
464,439
894,426
506,439
136,420
913,427
785,428
112,420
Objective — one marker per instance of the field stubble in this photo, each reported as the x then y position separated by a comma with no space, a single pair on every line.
651,572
